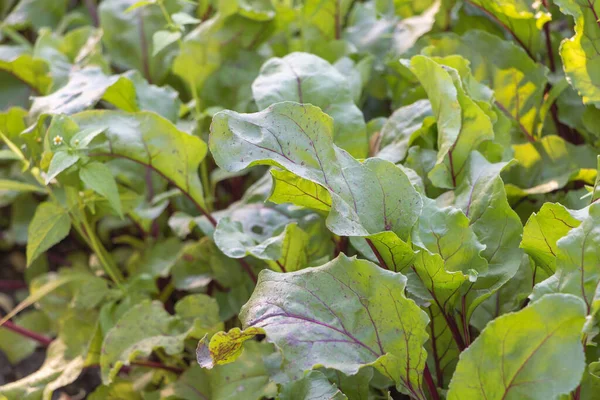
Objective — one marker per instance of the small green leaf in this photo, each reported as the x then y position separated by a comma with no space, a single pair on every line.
98,177
181,18
535,353
17,186
50,224
162,39
223,347
138,4
61,160
81,139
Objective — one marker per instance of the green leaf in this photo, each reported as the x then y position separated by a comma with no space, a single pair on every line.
128,37
56,372
447,232
201,309
223,347
119,389
46,288
264,233
462,124
61,160
522,19
507,70
98,177
247,377
17,347
151,140
7,184
548,164
398,133
482,198
83,138
142,329
184,19
368,198
19,63
290,188
536,353
128,91
346,314
544,229
162,39
306,78
313,385
36,14
50,224
576,260
578,53
212,43
138,4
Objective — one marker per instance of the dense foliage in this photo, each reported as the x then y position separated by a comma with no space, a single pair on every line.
318,199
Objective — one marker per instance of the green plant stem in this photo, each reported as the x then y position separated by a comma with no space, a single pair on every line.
166,292
100,251
208,197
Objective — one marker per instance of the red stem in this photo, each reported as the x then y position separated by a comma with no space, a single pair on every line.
12,285
41,339
430,384
248,269
465,323
379,258
280,266
46,341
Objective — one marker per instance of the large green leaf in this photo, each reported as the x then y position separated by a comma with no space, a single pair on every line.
367,198
579,53
462,124
306,78
344,315
148,139
482,198
535,353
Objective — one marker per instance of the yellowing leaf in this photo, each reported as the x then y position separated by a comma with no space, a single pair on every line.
223,347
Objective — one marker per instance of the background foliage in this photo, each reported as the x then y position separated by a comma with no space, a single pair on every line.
318,199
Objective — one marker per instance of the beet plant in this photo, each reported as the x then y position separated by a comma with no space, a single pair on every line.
316,199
